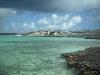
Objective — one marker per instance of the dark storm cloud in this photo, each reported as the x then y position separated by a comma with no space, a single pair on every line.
26,4
50,5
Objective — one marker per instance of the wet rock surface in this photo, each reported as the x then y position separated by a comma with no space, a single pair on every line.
87,61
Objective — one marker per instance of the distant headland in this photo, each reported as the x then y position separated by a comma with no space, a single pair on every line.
88,34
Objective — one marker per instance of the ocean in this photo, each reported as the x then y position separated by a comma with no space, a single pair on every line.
26,55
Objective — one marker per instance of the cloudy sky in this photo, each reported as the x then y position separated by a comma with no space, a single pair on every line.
34,15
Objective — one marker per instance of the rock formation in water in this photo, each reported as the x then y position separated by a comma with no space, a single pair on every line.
87,62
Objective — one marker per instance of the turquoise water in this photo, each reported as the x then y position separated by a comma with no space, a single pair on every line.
39,55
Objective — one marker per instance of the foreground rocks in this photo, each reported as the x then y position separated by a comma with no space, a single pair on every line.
87,62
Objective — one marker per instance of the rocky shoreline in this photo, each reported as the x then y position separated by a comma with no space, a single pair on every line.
87,62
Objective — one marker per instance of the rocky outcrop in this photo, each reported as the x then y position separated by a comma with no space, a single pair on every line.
87,62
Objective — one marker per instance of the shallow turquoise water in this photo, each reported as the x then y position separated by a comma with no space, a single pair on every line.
39,55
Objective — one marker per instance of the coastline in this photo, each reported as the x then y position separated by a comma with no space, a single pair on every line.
86,62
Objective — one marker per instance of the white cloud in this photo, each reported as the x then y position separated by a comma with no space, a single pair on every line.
52,22
6,12
56,22
55,16
43,21
76,19
22,27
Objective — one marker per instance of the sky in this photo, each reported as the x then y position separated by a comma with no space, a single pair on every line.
20,16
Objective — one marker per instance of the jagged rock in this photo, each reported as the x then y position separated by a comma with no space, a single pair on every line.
87,62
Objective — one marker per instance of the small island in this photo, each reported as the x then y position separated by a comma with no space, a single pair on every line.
87,62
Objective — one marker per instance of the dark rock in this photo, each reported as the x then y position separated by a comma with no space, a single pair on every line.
87,62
